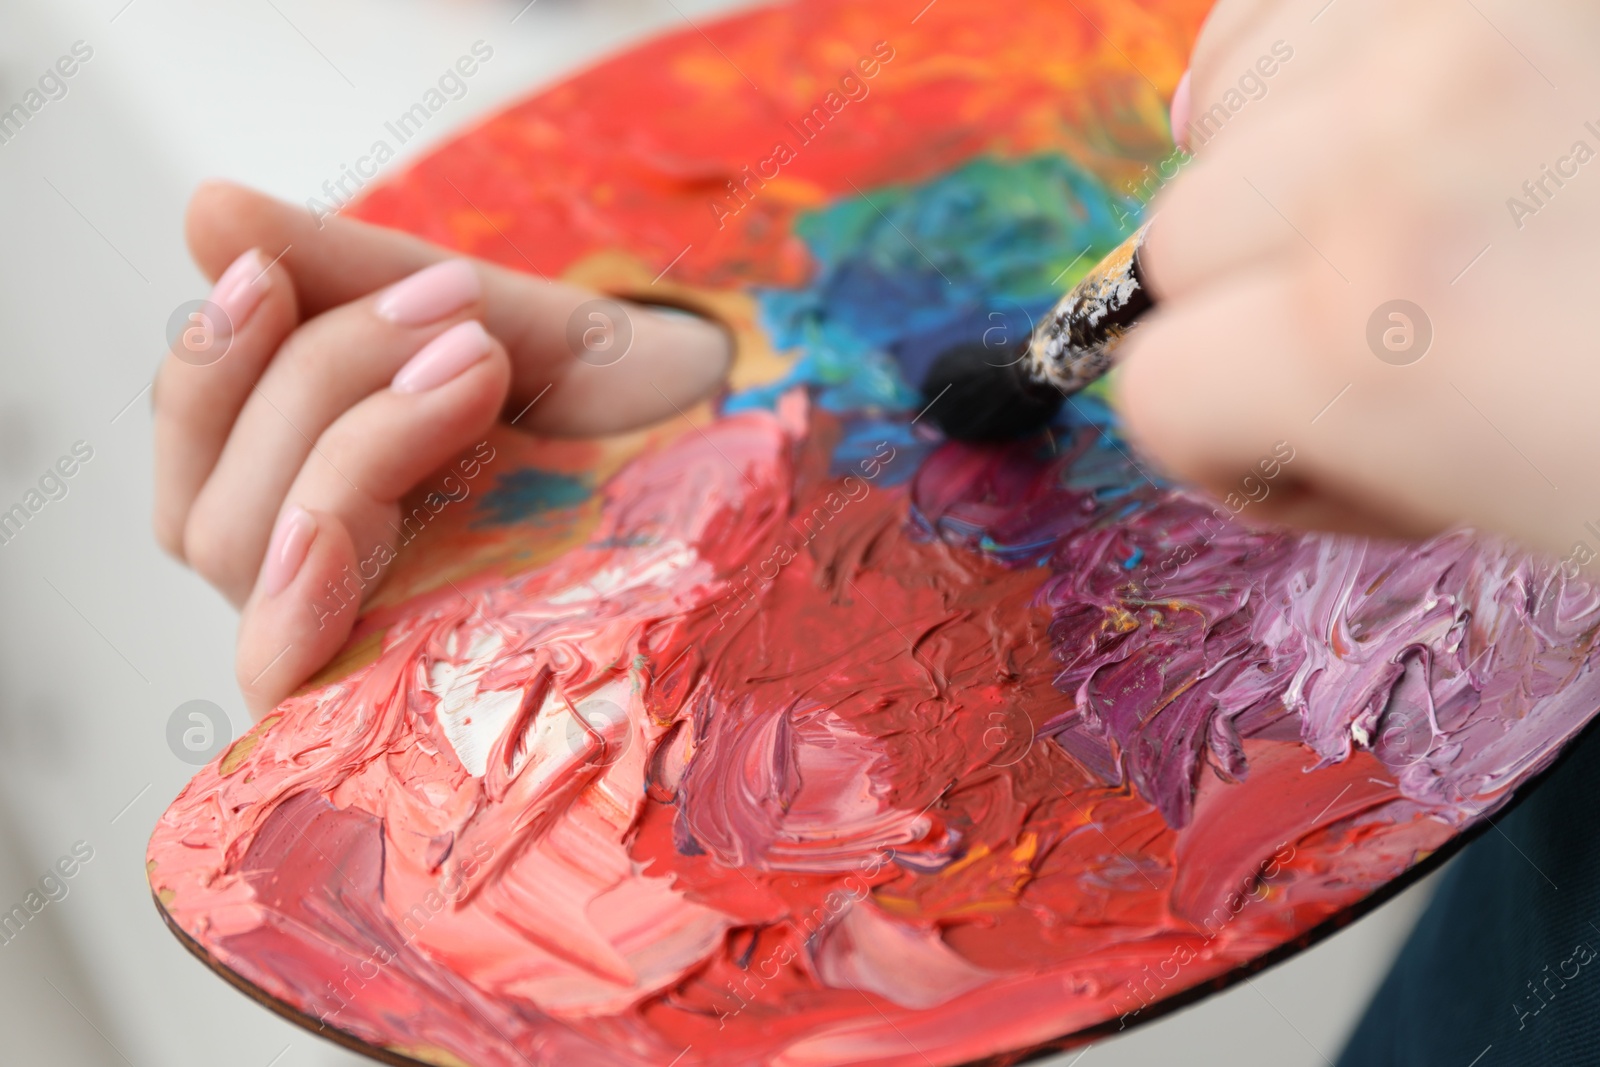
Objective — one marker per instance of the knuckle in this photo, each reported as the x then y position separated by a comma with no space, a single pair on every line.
303,356
353,452
212,554
175,400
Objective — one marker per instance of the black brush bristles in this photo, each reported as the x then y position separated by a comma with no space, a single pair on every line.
975,393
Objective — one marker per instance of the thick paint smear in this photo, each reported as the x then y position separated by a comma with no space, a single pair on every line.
799,736
844,781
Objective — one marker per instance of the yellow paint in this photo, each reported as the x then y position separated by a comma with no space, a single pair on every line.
981,881
709,70
1121,620
796,192
429,1054
245,745
474,230
351,658
755,361
969,860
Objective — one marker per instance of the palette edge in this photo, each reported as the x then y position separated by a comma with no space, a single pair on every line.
1159,1009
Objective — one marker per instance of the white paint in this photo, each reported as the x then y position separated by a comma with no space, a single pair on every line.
655,566
472,718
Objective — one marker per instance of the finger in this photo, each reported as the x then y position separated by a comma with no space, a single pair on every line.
1180,388
204,380
1231,24
1256,56
1221,391
670,363
1208,387
1259,91
324,368
332,544
283,639
1238,63
1191,246
1227,210
1306,506
442,403
1274,190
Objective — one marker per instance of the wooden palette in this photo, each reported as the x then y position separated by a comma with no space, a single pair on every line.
788,733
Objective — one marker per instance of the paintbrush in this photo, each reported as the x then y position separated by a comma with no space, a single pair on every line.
976,392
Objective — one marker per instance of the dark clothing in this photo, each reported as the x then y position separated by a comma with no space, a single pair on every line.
1503,968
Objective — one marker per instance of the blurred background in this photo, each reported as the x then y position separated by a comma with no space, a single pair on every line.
103,639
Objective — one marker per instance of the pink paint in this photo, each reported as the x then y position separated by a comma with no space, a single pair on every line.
939,756
785,838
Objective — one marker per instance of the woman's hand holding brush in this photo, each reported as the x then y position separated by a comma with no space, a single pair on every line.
1438,154
1382,256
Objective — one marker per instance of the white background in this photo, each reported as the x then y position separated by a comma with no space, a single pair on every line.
101,637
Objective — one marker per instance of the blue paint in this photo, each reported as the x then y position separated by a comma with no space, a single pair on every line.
525,494
864,440
978,253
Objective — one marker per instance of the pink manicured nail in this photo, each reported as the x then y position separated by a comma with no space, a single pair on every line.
291,539
1178,117
430,294
240,289
442,358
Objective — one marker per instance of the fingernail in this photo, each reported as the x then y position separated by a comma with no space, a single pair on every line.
1178,116
442,358
291,539
430,294
240,289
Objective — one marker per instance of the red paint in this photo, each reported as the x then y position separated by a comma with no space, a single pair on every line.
763,770
834,864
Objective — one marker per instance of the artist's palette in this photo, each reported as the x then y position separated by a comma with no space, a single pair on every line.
786,733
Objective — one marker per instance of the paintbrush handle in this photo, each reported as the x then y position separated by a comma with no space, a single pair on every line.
1076,343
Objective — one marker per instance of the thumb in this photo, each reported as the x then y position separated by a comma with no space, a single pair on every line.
593,368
